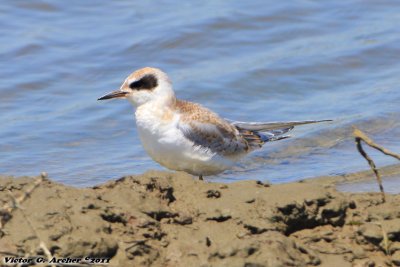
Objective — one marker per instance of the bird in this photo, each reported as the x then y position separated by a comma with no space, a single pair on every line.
185,136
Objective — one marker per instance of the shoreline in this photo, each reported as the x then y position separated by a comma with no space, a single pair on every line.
171,219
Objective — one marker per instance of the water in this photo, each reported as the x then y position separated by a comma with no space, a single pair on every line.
391,186
258,60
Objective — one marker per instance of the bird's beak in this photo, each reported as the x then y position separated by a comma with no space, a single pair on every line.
114,94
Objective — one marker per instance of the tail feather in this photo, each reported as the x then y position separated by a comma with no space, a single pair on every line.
257,139
277,131
275,135
269,126
277,138
258,133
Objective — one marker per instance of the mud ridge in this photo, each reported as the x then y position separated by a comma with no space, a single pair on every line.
171,219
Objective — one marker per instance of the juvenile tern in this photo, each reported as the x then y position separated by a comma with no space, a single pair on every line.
186,136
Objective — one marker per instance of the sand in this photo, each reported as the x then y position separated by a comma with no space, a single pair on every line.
171,219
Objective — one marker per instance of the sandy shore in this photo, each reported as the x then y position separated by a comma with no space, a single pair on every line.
171,219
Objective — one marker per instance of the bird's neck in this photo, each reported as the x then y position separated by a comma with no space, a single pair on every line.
164,102
155,113
161,104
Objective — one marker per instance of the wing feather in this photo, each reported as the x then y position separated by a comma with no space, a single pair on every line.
213,138
208,131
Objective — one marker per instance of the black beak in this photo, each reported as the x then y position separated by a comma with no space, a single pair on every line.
114,94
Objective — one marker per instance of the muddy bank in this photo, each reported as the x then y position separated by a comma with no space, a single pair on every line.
171,219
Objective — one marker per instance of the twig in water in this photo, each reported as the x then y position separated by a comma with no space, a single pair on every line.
360,136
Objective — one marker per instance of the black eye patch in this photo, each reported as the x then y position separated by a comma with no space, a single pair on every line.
147,82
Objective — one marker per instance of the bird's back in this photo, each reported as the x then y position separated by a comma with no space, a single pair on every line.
206,129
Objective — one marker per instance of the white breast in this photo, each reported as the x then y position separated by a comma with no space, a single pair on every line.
166,144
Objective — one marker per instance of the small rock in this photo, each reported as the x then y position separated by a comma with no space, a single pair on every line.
352,204
213,194
241,235
396,258
372,233
219,216
164,243
252,200
183,220
395,246
208,242
392,228
309,202
358,252
265,184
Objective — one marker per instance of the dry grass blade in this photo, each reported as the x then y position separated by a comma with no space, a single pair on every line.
16,204
6,211
360,136
386,242
42,245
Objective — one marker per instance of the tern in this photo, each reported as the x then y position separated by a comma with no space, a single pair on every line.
185,136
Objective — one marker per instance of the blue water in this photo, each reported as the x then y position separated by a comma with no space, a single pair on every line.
258,60
390,185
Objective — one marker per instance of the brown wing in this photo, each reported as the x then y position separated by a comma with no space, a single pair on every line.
208,131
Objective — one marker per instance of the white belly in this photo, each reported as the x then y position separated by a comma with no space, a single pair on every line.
167,145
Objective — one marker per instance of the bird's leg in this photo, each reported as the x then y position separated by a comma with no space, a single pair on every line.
201,177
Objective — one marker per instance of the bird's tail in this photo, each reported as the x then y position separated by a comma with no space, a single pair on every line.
269,126
275,135
258,133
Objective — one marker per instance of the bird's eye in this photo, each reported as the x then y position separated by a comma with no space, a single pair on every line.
147,82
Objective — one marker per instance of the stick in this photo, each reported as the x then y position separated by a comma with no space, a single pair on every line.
360,136
368,141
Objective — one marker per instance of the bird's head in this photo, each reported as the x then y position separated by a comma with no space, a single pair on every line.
144,85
